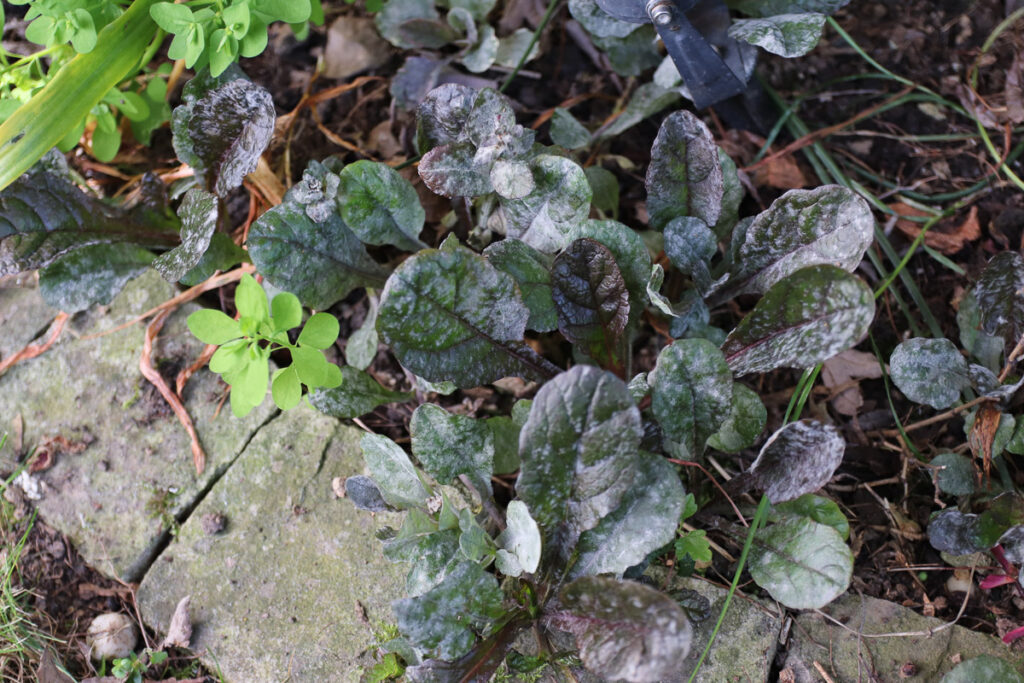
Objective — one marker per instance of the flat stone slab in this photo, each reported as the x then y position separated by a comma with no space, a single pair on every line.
23,315
295,584
917,658
116,499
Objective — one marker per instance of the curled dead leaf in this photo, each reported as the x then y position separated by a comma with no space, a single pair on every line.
949,237
179,633
843,372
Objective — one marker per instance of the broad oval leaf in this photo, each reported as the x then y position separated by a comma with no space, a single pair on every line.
646,519
983,668
432,552
578,448
380,206
818,508
591,300
452,316
393,472
827,225
929,371
520,543
448,445
801,321
532,272
684,177
627,247
625,630
787,35
1000,297
91,275
560,200
318,262
690,246
444,112
987,349
455,171
198,213
799,458
691,393
955,474
365,494
222,132
744,423
358,394
446,619
955,532
802,564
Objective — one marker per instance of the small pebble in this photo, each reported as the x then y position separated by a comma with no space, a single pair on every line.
213,523
111,636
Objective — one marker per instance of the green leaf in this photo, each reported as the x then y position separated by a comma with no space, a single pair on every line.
286,389
433,554
91,275
799,458
690,245
532,272
604,187
171,17
198,213
801,321
358,395
448,445
310,365
954,532
768,8
744,423
988,350
929,371
320,331
395,13
251,300
591,300
644,521
567,131
224,49
983,668
512,179
579,449
380,206
1000,297
393,472
560,201
446,620
286,311
288,11
452,316
691,393
827,225
634,54
211,326
817,508
631,255
481,56
786,35
249,382
222,254
222,132
474,543
624,630
647,100
230,357
320,262
732,196
361,345
956,475
520,543
802,564
684,177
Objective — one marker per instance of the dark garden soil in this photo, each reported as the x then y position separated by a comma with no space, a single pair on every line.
885,490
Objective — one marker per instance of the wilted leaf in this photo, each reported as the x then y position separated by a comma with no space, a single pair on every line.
801,321
691,393
393,472
929,371
380,206
1000,297
949,237
624,630
560,200
799,458
579,448
520,543
591,300
448,445
318,262
446,619
221,132
955,474
802,564
452,316
787,35
827,225
198,214
744,423
646,520
179,631
983,668
91,275
358,394
532,272
365,494
684,177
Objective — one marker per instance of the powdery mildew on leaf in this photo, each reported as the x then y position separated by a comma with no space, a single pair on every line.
358,394
579,449
690,246
448,445
91,275
393,472
827,225
799,458
520,543
646,519
453,171
364,494
318,262
929,371
802,564
599,23
198,214
625,630
1000,297
560,200
380,206
627,247
532,272
787,35
452,316
744,423
684,177
801,321
954,532
431,554
691,395
767,8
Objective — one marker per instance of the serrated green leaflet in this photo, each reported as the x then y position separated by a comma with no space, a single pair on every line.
448,445
803,320
579,448
451,315
802,564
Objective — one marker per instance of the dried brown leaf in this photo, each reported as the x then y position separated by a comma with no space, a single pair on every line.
1014,90
782,173
845,370
179,633
949,237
